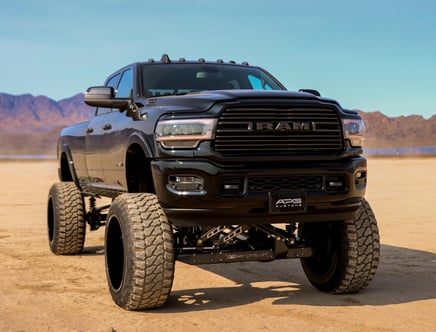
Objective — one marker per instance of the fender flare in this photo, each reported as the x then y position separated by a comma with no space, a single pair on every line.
136,138
66,150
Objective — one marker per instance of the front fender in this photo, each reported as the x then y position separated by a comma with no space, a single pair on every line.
140,140
67,170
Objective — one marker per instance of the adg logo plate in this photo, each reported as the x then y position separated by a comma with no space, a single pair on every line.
285,202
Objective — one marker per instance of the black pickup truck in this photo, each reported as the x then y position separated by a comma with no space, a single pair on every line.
213,162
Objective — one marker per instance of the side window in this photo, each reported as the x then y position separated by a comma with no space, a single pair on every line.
126,84
258,84
113,82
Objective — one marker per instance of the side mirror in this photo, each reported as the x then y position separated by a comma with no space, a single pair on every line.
313,92
104,96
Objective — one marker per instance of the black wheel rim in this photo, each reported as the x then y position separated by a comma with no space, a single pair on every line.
324,262
50,220
115,254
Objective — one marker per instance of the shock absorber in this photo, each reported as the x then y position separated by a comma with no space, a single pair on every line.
95,217
92,203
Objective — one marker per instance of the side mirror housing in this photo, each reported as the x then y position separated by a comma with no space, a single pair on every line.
104,96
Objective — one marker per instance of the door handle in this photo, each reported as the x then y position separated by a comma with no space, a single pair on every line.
89,130
107,126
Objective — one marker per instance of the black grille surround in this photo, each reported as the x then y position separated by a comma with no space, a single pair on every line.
278,131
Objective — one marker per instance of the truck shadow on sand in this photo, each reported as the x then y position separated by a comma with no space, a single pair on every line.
92,251
404,275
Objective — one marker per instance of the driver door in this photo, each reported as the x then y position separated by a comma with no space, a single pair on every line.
95,141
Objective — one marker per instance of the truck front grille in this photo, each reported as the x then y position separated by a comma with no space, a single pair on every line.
275,184
278,130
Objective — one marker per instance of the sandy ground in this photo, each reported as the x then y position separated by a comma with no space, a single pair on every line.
43,292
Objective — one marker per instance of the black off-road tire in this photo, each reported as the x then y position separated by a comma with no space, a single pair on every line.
346,253
139,252
66,223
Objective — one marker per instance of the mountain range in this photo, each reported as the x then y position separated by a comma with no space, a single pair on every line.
30,125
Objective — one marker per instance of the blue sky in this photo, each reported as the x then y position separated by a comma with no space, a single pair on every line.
369,55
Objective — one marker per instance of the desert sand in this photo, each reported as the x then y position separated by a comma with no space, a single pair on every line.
43,292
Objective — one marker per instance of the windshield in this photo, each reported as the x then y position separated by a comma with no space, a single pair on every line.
181,78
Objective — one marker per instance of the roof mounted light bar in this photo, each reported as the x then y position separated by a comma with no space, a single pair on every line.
166,59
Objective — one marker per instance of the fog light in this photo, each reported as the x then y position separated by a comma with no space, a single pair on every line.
186,185
232,187
334,183
360,179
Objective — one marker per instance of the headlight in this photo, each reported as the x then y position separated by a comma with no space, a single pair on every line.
353,131
184,134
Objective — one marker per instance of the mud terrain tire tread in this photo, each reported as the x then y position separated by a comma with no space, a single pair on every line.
358,253
140,265
66,219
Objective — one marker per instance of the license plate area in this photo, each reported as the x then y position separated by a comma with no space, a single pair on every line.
285,202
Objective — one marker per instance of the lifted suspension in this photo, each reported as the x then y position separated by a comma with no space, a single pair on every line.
238,243
94,217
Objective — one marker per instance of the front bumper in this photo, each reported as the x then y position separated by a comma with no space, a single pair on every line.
240,195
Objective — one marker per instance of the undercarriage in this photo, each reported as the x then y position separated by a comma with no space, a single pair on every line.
238,243
226,244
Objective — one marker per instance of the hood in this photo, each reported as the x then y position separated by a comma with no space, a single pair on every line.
204,100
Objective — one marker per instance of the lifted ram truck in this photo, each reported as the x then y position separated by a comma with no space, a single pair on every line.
213,162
